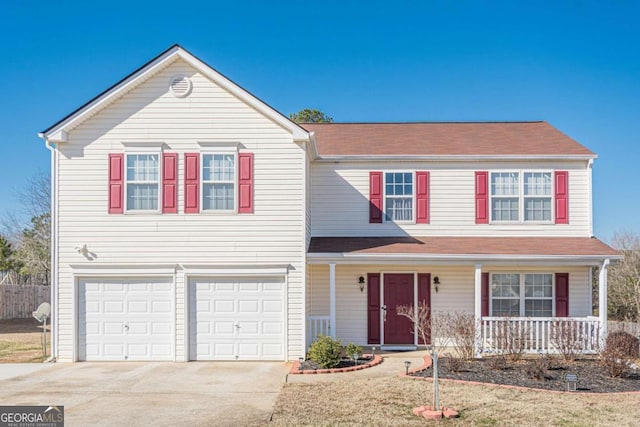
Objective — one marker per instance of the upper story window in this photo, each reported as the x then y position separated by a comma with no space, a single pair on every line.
529,295
398,196
521,196
218,182
142,182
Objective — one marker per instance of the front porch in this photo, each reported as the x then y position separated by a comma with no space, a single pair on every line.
353,297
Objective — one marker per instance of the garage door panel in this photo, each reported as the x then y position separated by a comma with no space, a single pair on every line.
247,323
122,319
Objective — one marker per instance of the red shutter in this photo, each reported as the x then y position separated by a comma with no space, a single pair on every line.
485,294
424,297
245,183
116,183
562,294
375,197
562,196
373,308
169,183
422,197
482,197
191,183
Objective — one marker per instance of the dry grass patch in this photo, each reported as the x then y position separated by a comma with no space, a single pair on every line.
388,401
21,341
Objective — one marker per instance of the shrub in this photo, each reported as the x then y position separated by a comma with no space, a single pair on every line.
462,329
566,338
619,350
455,364
537,368
351,349
497,362
325,351
511,338
627,344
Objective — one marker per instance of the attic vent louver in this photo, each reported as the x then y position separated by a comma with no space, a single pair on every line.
180,86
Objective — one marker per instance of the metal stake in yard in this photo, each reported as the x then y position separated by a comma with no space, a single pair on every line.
436,389
41,315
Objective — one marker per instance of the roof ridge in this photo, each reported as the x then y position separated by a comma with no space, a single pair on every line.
427,122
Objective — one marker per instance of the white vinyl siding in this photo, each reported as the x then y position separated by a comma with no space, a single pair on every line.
270,236
340,200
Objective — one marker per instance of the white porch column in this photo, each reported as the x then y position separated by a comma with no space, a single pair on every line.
478,308
332,299
602,300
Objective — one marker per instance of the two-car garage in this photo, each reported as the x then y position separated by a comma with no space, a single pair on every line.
227,318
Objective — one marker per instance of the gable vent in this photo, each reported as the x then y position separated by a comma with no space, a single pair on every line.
180,86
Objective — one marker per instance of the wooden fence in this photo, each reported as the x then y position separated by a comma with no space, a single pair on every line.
19,301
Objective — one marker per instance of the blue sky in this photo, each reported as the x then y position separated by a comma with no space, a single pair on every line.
573,63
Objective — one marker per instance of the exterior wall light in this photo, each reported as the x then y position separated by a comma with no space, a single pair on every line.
361,283
436,282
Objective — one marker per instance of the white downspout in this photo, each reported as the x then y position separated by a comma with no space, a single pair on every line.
54,249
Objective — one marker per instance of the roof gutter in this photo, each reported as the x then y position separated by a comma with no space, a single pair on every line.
320,258
453,158
53,217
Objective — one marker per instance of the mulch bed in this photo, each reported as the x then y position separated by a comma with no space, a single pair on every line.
592,377
344,363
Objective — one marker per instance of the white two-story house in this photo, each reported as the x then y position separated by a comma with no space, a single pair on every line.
192,221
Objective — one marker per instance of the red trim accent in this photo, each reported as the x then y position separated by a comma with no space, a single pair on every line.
422,197
191,183
561,184
245,183
116,183
375,197
373,308
169,183
562,294
484,304
424,297
482,197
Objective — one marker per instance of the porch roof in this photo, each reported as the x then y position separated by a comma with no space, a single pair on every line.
444,247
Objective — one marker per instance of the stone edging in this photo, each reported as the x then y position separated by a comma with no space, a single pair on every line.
295,368
427,364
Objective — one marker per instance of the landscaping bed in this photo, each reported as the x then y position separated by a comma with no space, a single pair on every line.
592,377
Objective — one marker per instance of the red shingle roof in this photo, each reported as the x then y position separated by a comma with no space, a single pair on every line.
506,138
535,246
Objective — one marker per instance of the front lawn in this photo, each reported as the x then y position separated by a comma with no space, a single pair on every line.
21,341
388,401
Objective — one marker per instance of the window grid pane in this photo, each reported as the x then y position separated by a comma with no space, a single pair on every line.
537,209
505,184
218,177
398,196
143,181
537,183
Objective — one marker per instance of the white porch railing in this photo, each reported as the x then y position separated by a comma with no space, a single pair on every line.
317,325
540,334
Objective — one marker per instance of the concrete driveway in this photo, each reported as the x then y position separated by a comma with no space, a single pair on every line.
159,394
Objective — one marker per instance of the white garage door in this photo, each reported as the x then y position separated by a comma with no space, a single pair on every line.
236,319
121,319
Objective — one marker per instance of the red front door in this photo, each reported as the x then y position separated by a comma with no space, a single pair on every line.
398,290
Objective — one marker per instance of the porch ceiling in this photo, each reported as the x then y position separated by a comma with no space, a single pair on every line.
463,247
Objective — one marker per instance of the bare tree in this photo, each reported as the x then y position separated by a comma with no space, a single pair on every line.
432,330
27,228
624,279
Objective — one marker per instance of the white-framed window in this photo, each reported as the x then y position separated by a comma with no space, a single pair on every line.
142,182
522,294
521,196
219,181
398,196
